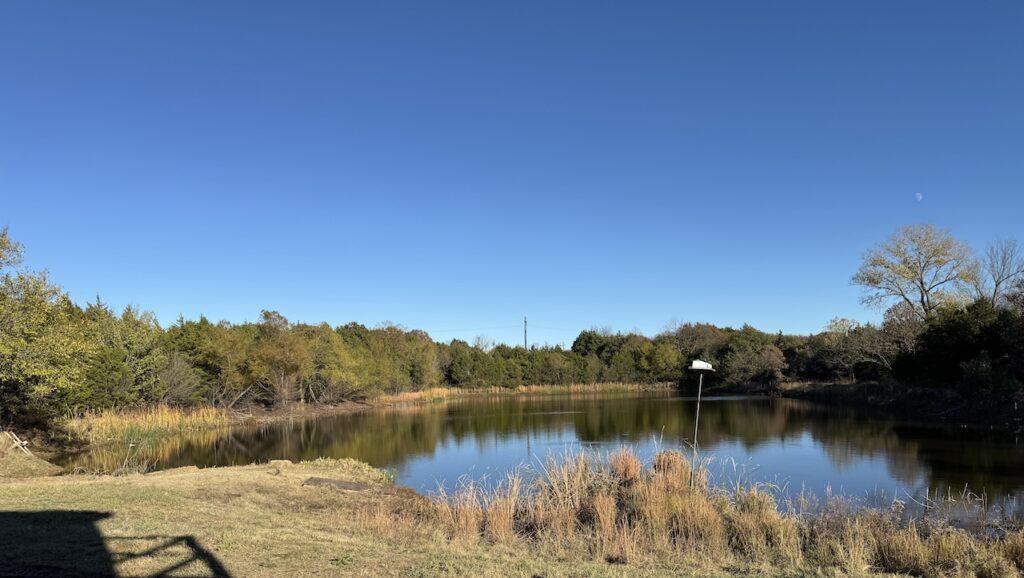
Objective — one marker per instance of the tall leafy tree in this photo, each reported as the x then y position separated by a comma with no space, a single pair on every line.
281,361
330,375
232,351
43,351
920,265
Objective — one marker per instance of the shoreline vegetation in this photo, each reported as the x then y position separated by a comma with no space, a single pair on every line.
664,514
151,424
961,345
584,515
436,394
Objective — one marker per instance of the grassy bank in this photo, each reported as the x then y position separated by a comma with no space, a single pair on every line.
656,519
246,521
15,463
583,517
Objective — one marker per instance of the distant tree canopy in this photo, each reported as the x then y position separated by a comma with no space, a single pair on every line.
58,358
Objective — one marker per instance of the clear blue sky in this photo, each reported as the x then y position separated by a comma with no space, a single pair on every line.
454,166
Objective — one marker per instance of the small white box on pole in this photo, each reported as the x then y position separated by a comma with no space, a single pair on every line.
699,365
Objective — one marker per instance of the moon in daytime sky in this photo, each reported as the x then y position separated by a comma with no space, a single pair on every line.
919,196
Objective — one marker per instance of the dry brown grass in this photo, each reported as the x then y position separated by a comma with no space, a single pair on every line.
500,510
15,463
614,509
438,394
839,538
462,514
625,467
990,564
256,521
150,423
433,394
952,552
583,515
1013,548
616,387
759,532
902,551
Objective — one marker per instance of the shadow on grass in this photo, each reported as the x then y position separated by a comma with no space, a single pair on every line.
69,543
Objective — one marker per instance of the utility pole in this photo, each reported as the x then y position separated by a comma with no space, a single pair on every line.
525,346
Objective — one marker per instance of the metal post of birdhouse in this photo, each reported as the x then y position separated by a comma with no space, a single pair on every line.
701,367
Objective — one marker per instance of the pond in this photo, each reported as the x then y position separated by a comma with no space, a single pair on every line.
794,445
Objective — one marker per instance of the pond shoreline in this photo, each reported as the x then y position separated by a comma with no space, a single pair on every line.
867,457
344,517
70,439
256,416
923,406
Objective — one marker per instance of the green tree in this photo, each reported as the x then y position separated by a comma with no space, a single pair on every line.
231,352
192,369
665,362
979,348
631,361
43,354
331,374
126,370
281,363
847,345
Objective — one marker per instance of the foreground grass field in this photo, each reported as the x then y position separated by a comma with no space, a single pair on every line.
581,517
245,521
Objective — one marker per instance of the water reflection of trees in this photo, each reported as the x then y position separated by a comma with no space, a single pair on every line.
939,457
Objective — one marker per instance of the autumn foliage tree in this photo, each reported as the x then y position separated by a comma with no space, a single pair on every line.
920,265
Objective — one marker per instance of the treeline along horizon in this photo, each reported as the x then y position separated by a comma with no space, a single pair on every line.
58,358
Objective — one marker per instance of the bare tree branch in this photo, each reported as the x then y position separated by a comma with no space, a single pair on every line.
998,270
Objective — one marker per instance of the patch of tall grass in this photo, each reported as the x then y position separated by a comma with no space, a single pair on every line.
438,394
431,395
615,387
620,511
145,424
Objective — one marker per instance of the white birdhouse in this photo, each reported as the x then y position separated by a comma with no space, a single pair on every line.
699,365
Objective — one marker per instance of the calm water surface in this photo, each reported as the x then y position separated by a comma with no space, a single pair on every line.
796,445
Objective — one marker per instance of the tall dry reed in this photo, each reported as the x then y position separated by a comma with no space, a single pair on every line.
437,394
614,509
155,422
